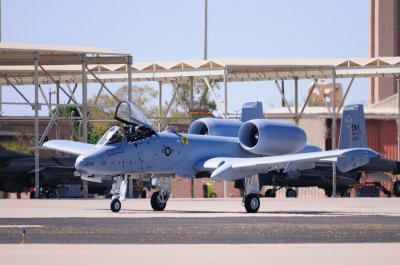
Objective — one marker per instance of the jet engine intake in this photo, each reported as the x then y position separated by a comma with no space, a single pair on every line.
266,137
216,127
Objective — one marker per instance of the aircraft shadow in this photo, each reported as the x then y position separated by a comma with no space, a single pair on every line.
272,213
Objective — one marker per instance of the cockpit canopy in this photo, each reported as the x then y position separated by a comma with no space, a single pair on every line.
137,126
129,114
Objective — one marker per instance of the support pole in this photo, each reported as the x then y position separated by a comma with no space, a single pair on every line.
345,94
333,98
191,96
1,94
37,184
283,97
225,94
129,65
296,101
215,98
205,28
84,117
398,117
226,191
296,110
191,107
159,104
130,187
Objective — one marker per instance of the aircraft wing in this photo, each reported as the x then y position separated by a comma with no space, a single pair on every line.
238,168
70,147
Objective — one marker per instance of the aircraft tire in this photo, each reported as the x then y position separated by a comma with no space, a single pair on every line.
115,205
52,195
328,193
270,193
252,203
291,193
156,204
396,188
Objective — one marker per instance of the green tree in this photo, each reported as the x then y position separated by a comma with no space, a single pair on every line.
201,98
22,143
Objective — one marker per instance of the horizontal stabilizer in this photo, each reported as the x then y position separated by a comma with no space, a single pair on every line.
345,164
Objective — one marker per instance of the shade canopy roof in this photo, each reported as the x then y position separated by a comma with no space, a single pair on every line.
24,54
64,64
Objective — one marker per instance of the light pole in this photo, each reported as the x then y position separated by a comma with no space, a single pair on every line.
205,28
50,93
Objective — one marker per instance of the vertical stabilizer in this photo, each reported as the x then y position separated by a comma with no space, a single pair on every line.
352,130
252,110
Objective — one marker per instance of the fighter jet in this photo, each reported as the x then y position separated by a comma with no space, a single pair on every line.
221,149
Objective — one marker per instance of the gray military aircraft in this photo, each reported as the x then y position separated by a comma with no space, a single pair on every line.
221,149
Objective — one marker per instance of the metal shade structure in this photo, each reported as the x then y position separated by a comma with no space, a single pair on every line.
113,67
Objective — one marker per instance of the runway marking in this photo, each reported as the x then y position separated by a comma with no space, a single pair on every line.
21,226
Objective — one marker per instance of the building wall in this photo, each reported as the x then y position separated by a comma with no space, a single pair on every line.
384,41
382,137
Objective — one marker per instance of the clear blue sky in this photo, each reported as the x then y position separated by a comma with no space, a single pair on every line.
173,30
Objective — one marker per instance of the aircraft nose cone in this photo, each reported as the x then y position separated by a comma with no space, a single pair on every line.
80,162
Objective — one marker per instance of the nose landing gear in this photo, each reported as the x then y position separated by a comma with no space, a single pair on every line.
118,192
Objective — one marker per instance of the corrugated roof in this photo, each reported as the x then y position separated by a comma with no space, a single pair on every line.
24,54
45,49
107,68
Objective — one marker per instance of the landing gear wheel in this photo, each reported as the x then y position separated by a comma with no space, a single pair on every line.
52,195
115,205
291,193
156,203
270,193
396,188
328,193
252,203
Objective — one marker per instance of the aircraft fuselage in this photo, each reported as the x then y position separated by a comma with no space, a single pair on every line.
161,153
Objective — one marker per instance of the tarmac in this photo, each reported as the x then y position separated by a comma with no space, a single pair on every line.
198,231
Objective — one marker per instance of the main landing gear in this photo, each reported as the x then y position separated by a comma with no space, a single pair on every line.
118,192
251,198
271,193
159,199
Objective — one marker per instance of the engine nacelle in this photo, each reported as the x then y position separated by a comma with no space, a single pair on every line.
216,127
266,137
